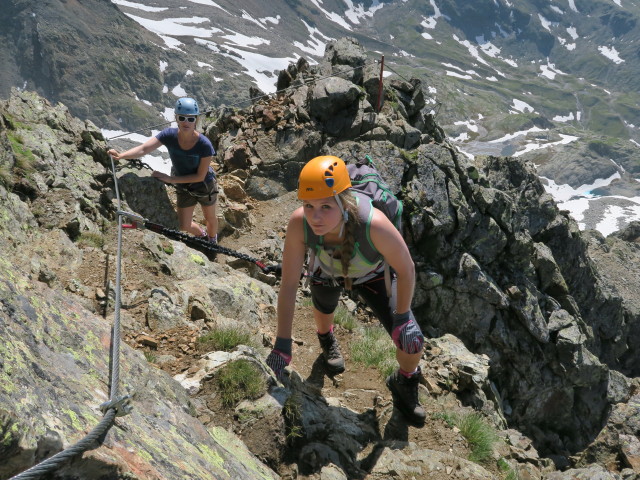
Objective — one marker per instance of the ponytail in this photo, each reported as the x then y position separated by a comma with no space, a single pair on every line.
350,204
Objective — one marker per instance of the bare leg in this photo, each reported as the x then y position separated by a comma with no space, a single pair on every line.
408,361
211,218
185,220
324,321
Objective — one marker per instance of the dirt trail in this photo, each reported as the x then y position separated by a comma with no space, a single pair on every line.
359,388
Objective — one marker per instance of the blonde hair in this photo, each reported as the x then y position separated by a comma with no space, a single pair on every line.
350,204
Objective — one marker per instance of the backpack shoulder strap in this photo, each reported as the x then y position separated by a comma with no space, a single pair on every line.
311,241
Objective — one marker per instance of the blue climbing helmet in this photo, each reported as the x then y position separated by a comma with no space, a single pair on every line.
186,106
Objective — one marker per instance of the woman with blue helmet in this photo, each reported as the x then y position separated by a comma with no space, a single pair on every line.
191,154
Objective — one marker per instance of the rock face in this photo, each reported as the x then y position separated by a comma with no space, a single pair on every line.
523,323
54,357
55,371
514,278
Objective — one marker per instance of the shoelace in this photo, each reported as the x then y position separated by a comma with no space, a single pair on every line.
334,351
330,345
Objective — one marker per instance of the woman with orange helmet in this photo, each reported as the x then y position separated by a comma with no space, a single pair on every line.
350,242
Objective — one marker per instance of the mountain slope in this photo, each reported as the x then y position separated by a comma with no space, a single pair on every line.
540,79
556,60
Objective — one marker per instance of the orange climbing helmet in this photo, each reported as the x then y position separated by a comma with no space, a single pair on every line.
322,177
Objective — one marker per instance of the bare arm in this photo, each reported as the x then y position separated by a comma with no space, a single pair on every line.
389,242
136,152
292,262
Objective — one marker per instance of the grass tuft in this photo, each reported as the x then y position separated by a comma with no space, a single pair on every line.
345,319
293,417
223,339
480,435
239,380
375,349
24,158
505,468
91,239
150,356
6,178
342,316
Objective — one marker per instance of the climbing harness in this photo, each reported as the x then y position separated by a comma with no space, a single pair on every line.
205,189
197,242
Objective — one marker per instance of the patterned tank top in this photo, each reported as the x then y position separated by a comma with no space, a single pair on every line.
366,262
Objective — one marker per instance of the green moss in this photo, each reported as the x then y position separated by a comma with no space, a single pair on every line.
212,456
9,431
255,288
145,455
25,159
90,345
5,384
197,259
11,435
75,421
13,361
409,156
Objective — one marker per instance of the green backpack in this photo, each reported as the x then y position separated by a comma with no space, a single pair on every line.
366,179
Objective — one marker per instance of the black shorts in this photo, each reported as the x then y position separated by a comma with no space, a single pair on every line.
372,292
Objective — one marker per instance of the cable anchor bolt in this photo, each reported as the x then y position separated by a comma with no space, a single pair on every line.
136,220
121,406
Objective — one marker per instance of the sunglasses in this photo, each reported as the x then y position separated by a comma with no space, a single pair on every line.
182,118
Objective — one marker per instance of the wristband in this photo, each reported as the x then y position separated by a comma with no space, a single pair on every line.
400,318
283,345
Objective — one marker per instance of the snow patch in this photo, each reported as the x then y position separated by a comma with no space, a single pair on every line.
139,6
521,107
611,54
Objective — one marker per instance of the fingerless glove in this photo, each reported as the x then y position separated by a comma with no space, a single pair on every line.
406,333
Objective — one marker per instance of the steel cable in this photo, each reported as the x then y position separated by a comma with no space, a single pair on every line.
91,441
114,407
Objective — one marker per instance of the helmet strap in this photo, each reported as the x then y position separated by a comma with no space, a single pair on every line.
345,214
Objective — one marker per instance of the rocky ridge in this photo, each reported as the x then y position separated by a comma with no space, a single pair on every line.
526,324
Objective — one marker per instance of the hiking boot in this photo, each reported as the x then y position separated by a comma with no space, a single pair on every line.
405,396
331,352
